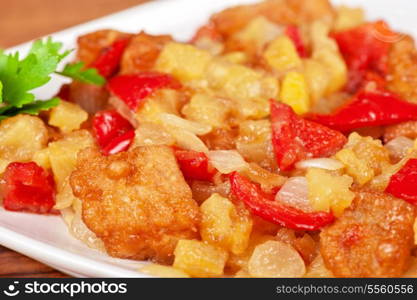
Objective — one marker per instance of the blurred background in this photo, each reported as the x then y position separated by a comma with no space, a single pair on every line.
23,20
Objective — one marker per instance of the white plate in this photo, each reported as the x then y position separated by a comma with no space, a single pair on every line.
45,238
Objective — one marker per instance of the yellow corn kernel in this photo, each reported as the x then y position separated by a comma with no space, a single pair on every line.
224,226
206,109
348,18
281,55
317,78
294,92
163,271
199,259
67,116
329,192
185,62
355,167
63,154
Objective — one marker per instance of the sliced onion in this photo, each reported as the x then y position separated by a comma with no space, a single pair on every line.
124,110
320,163
399,147
188,140
295,193
194,127
150,134
227,161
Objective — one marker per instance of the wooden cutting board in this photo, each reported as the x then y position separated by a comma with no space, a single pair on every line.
24,20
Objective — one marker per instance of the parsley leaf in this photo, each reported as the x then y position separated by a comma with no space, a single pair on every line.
33,108
78,72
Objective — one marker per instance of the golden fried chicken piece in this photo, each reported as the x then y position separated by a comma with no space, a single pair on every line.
285,12
402,69
137,202
373,238
406,129
92,44
142,52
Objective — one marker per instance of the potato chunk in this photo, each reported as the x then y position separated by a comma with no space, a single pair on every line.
199,259
137,202
20,138
225,225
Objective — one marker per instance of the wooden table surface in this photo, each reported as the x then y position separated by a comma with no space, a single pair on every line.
23,20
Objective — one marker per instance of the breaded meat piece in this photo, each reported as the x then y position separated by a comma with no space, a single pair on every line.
92,44
137,202
142,52
402,69
232,20
406,129
373,238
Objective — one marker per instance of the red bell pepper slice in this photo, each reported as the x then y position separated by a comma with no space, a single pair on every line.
133,89
27,187
194,165
113,133
403,184
293,32
263,205
109,60
295,139
367,109
365,48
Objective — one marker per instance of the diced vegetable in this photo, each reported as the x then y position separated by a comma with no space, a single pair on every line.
109,60
194,165
262,205
296,139
294,92
113,133
133,89
293,32
67,116
403,183
281,55
199,259
328,192
225,225
27,187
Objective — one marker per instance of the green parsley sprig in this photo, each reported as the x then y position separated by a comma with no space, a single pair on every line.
18,77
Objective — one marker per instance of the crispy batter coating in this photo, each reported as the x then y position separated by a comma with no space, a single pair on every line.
285,12
373,238
407,129
91,45
402,69
142,52
137,202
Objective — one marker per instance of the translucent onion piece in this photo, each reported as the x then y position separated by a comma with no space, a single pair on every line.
320,163
194,127
399,147
188,140
227,161
274,259
295,193
124,110
266,179
149,134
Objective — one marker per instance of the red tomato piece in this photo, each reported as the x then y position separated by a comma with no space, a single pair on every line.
27,187
108,62
263,205
403,184
194,165
113,132
293,32
133,89
295,139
